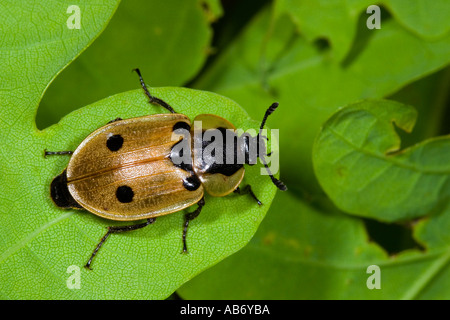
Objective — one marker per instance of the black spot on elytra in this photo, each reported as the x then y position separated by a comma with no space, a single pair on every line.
181,125
124,194
114,142
177,151
192,183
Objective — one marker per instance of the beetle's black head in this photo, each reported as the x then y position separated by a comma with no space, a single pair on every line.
236,150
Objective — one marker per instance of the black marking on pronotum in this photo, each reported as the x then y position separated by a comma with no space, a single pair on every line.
227,169
191,183
124,194
114,142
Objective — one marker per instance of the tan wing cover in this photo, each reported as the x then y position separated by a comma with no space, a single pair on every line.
142,163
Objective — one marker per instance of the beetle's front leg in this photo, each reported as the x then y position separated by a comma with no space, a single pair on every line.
248,189
191,216
116,119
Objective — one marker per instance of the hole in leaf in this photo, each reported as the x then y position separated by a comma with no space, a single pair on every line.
322,44
236,15
392,237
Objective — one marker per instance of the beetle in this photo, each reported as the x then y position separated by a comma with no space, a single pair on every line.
131,170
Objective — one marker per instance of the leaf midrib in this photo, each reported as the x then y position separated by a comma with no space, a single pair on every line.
29,237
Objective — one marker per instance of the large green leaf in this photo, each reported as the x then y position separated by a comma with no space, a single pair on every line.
312,57
359,163
40,244
299,252
270,61
168,40
309,66
302,251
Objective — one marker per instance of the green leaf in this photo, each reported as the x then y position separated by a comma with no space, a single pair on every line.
308,66
302,251
313,58
271,61
338,18
40,243
322,254
35,48
336,21
299,252
360,165
168,40
428,21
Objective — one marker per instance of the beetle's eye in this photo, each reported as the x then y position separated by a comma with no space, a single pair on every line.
114,142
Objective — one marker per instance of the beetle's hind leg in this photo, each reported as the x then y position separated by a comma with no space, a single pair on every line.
116,119
151,98
116,229
51,153
191,216
247,190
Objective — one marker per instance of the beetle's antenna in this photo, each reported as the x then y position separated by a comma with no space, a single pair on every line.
153,99
269,111
280,185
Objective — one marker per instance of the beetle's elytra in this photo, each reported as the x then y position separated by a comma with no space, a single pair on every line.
141,168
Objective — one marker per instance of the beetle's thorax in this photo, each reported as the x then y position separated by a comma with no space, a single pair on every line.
217,153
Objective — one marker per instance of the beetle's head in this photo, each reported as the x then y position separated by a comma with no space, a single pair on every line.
218,148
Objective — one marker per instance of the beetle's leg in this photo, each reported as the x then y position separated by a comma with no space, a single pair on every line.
248,189
116,119
116,229
191,216
151,98
50,153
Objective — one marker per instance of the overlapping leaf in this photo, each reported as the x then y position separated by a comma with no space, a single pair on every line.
271,61
359,163
301,58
